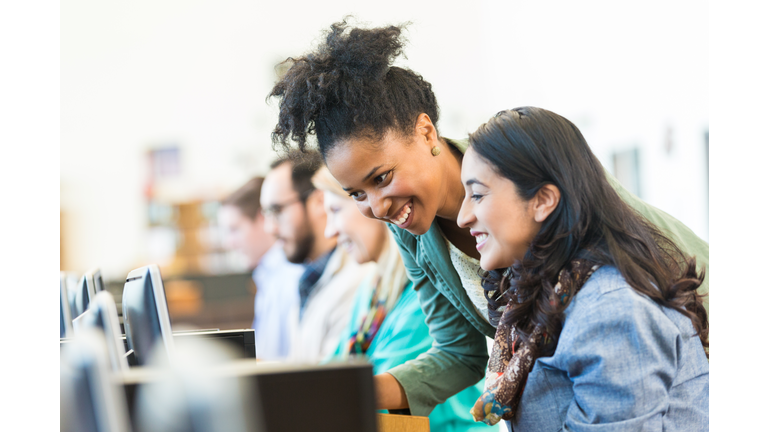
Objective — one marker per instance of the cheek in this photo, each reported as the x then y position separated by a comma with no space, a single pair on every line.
341,222
405,189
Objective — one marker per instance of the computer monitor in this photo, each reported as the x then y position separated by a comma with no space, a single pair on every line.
289,397
102,314
84,292
65,311
206,399
93,277
90,398
145,313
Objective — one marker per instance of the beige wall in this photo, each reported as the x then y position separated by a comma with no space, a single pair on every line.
139,74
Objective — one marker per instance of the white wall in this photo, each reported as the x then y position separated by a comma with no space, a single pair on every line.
138,74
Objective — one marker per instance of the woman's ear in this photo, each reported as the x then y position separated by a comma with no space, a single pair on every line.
545,202
425,131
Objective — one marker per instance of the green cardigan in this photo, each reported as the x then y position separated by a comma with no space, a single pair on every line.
459,354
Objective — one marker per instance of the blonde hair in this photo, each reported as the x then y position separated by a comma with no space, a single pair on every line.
390,266
323,180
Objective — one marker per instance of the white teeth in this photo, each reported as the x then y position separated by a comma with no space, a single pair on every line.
481,238
404,216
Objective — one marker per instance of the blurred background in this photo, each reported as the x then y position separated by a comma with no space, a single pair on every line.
163,112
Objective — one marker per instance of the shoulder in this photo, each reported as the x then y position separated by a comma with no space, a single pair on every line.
606,285
350,273
607,299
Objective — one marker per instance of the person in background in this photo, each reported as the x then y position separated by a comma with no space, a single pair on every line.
376,125
387,325
599,325
294,214
276,279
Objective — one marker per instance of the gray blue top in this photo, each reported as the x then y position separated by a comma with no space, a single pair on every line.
623,363
277,293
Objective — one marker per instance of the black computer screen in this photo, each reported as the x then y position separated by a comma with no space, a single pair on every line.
140,317
98,282
82,297
64,312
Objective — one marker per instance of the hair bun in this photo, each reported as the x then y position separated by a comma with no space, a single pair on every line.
346,87
363,52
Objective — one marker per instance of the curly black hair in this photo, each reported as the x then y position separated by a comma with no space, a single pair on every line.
348,88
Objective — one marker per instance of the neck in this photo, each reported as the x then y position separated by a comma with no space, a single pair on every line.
452,190
322,246
448,213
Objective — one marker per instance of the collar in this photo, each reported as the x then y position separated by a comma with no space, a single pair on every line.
460,144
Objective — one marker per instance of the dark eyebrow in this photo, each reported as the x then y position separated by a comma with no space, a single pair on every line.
470,182
365,178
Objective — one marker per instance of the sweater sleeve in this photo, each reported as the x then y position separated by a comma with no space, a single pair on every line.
458,356
685,239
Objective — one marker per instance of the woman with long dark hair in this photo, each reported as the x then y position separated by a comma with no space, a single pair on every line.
598,317
376,126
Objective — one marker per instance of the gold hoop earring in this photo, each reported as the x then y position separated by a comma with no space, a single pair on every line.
435,151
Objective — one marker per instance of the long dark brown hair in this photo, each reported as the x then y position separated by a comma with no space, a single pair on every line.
533,147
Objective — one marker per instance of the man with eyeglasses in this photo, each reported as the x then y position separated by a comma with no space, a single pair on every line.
294,214
241,218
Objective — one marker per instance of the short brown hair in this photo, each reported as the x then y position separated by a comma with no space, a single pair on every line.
246,197
304,165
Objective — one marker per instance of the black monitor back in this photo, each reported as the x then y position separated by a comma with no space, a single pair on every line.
332,399
94,277
82,297
102,315
65,309
145,313
294,398
90,398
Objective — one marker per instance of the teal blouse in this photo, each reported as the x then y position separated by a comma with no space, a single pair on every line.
459,356
404,334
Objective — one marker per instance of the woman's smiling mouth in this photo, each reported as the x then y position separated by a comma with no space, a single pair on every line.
403,218
480,238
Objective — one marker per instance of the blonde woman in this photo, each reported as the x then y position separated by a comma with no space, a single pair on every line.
387,325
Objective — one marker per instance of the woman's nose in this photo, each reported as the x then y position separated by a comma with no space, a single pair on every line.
466,215
379,205
330,228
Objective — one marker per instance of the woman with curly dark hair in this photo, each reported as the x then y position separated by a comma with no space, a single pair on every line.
376,126
598,309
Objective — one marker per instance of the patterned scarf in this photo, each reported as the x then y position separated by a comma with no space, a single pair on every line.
361,339
388,283
508,368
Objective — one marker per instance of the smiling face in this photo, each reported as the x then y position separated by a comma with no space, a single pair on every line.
502,222
397,179
362,237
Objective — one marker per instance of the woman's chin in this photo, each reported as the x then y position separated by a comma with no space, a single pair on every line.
417,228
488,263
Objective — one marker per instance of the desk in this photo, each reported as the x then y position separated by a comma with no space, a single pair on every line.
242,339
402,423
